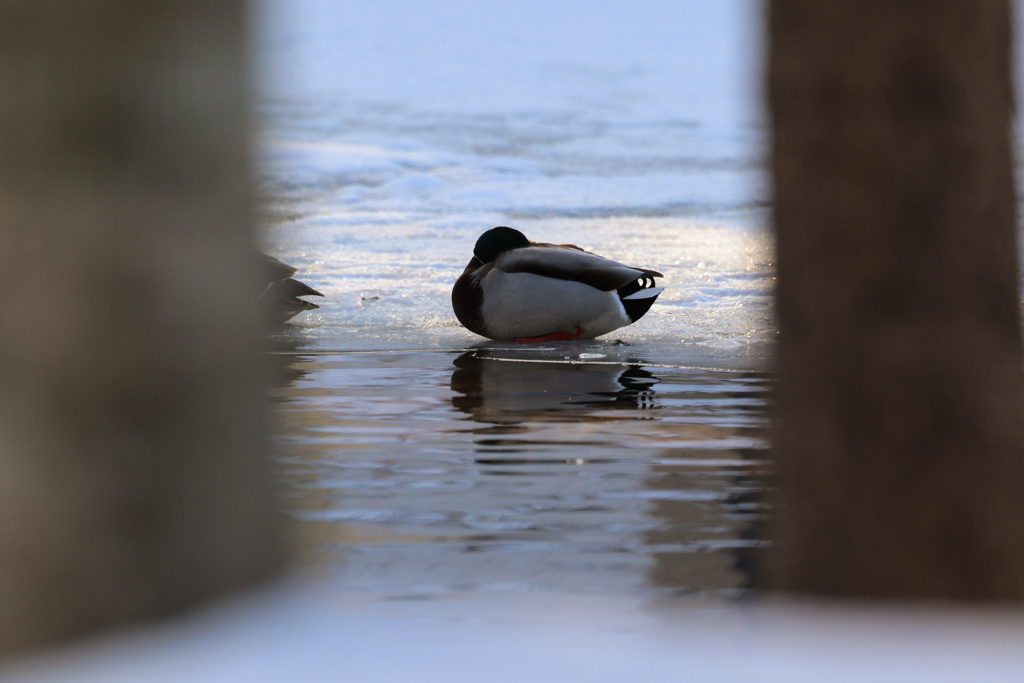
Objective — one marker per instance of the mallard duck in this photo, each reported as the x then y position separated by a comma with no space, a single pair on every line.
280,297
528,291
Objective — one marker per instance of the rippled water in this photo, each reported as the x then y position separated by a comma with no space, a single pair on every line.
505,469
420,461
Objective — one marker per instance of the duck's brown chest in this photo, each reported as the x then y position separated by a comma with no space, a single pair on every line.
468,300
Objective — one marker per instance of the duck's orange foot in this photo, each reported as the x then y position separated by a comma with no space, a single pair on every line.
554,336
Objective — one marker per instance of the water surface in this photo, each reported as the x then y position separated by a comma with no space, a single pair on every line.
480,470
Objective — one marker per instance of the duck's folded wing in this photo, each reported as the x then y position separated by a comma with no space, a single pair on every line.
289,288
281,300
566,263
274,270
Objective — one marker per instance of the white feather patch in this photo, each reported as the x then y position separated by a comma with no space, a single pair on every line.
528,305
644,293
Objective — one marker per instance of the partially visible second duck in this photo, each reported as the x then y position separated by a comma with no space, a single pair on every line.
280,300
515,289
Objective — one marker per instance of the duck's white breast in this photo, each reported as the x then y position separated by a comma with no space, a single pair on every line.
528,305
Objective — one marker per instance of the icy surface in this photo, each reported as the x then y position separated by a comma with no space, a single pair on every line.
396,132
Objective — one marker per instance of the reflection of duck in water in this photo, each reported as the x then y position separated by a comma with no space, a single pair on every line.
284,364
505,391
527,291
280,300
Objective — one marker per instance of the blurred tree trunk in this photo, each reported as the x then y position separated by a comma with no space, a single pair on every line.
133,470
899,439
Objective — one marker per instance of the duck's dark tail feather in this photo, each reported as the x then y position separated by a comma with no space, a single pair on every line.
280,298
638,296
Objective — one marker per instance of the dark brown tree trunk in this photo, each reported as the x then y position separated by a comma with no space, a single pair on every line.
899,442
133,471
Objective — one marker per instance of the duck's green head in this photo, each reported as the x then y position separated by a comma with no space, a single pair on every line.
497,241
